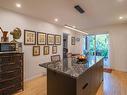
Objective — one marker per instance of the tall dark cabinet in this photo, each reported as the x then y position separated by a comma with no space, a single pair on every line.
11,73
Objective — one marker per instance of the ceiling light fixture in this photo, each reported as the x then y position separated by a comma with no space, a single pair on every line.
75,29
74,26
56,20
120,17
18,5
120,0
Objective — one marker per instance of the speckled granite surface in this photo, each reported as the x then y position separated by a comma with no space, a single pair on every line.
70,67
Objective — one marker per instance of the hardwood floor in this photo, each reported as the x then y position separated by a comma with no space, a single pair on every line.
114,84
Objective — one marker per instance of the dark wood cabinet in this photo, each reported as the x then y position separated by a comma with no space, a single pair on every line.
87,83
11,73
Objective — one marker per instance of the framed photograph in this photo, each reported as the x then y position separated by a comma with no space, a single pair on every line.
36,50
50,39
57,39
41,38
54,49
29,37
46,50
72,40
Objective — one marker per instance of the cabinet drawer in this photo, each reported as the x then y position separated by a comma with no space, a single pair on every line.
10,74
11,89
10,82
10,59
5,59
9,67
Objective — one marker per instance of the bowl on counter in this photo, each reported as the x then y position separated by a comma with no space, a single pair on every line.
82,59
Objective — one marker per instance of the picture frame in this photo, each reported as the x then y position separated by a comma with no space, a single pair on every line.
36,50
41,38
29,37
57,39
50,39
54,49
72,40
46,50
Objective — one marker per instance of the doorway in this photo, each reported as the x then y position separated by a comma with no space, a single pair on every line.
97,45
65,45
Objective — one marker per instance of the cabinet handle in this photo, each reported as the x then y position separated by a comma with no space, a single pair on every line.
85,86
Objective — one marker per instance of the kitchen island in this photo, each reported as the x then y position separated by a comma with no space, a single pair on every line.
68,77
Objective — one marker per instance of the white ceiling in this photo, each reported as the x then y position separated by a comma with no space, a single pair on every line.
98,12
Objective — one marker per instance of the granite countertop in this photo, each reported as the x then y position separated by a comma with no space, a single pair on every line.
69,66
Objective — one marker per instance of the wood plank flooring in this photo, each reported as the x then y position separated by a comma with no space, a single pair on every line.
114,84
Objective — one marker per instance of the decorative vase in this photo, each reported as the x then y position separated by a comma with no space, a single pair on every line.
4,38
5,34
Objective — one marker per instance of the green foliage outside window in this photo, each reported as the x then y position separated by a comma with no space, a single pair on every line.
101,45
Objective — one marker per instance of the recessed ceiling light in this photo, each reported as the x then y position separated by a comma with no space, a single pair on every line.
120,0
120,17
56,20
18,5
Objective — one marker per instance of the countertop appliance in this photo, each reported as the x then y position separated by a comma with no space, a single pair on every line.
7,47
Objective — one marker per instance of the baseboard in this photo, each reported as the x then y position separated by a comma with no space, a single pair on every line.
118,69
121,70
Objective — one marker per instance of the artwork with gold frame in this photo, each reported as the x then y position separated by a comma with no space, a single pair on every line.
50,39
72,40
29,37
36,50
41,38
54,49
57,39
46,50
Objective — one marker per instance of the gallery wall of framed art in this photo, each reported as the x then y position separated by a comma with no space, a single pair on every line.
29,37
39,39
50,39
72,40
46,50
36,50
57,39
54,49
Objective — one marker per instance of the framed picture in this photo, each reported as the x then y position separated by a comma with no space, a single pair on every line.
50,39
72,40
41,38
36,50
54,49
57,39
29,37
46,50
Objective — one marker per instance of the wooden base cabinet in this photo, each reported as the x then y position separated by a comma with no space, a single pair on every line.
11,73
86,84
89,82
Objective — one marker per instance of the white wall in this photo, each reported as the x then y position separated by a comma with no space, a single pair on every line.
9,20
118,44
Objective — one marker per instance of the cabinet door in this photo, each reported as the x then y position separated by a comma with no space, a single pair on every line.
83,84
9,67
10,74
89,82
5,59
